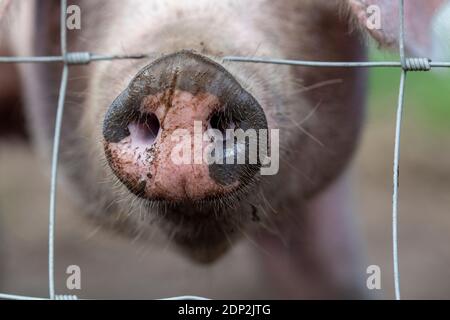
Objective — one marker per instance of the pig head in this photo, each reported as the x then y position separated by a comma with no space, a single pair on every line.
121,116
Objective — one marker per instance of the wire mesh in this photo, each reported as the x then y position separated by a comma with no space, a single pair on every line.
77,58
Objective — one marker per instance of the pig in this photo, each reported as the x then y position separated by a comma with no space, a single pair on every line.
121,115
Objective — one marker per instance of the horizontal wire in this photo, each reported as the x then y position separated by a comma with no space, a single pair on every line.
6,296
306,63
440,64
50,59
309,63
185,298
31,59
68,297
19,297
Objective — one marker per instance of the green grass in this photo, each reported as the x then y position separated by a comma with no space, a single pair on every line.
427,94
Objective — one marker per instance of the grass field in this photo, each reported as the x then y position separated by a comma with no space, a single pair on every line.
427,94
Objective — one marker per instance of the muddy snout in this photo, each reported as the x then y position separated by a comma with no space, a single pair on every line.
184,129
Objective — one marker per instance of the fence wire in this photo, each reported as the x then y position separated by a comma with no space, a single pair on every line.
406,64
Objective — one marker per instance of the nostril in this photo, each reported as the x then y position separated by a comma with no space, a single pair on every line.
145,129
222,122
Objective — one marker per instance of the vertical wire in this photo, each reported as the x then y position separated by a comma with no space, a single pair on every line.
54,173
396,165
55,156
396,185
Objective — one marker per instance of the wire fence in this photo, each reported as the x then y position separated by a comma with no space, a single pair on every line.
406,64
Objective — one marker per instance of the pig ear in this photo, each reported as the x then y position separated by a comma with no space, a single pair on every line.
4,7
427,24
4,4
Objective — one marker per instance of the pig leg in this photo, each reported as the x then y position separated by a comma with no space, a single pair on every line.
318,255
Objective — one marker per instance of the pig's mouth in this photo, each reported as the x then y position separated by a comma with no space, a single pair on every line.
204,232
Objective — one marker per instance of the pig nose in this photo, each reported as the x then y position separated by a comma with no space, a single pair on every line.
154,131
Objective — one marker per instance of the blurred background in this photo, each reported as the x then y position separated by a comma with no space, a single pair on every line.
115,268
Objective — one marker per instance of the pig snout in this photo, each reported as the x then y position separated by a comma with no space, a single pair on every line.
162,117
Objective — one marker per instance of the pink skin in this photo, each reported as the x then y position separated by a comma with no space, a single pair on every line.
418,17
143,158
